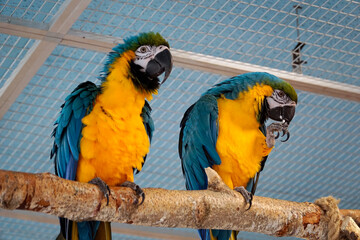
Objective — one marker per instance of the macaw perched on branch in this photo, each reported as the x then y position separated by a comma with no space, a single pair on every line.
103,133
225,130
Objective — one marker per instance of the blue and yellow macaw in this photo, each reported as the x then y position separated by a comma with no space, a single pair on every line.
225,130
103,133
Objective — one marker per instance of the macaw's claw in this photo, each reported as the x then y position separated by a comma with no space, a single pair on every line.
277,135
104,188
139,192
287,136
276,128
246,194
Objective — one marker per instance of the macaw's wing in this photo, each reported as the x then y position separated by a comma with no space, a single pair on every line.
68,126
148,124
197,143
147,120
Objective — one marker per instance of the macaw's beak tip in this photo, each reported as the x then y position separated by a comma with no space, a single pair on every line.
165,59
167,73
162,63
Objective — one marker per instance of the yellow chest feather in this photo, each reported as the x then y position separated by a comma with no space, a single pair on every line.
114,140
240,144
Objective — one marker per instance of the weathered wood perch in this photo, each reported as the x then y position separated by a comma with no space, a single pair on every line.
218,207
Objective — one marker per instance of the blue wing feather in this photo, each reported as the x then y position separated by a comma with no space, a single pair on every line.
147,120
148,124
67,132
197,143
71,168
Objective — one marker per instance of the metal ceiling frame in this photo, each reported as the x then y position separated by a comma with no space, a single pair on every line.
185,59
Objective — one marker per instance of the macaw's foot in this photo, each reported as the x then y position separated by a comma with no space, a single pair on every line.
246,194
139,192
104,188
276,127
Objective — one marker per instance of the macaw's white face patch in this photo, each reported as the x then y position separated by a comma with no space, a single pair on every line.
146,53
279,98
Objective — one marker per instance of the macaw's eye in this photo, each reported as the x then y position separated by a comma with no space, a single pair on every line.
143,49
281,94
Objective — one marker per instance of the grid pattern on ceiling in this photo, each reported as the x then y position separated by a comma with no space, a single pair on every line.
12,51
31,10
29,120
262,33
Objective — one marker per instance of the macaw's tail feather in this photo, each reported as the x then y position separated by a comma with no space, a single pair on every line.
89,230
234,235
204,234
213,234
104,231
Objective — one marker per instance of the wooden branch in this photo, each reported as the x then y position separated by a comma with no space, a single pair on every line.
47,193
350,229
354,214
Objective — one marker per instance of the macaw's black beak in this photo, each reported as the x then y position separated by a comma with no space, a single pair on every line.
283,112
162,62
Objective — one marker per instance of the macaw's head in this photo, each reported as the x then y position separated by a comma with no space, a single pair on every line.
279,102
148,56
280,106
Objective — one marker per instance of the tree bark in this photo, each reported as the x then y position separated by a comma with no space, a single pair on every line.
218,207
350,229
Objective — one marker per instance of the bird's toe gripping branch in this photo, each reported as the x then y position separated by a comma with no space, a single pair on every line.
216,184
276,127
104,188
139,192
246,194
